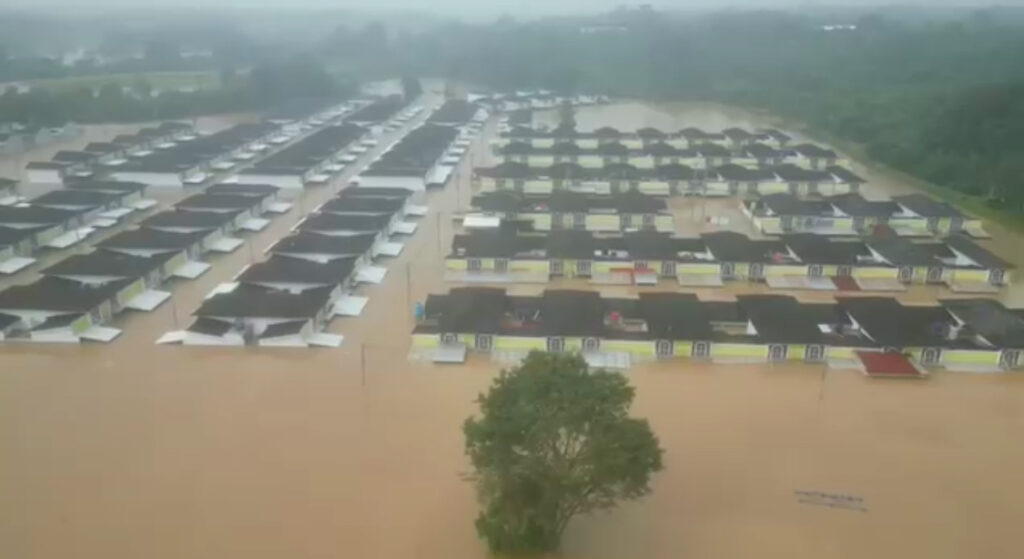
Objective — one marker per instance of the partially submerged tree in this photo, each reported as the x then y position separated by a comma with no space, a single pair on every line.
554,440
411,88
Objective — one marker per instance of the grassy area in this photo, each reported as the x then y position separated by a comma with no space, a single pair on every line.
157,80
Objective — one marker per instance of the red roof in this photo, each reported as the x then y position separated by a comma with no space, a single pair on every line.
877,363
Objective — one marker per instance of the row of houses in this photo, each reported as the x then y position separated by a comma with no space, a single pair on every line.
16,138
689,137
62,218
78,298
852,214
309,161
961,334
97,157
669,179
701,156
290,298
573,210
527,100
799,261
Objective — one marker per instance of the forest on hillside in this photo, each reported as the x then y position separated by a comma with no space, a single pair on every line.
941,100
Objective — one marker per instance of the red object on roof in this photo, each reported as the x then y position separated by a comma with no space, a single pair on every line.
846,283
881,364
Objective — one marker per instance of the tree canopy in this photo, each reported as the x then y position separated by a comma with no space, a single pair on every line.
554,440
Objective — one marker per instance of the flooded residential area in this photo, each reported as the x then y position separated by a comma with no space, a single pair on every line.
133,449
178,430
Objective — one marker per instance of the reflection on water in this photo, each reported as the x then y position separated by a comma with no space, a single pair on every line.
134,450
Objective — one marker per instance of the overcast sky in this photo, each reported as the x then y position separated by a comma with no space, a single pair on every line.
483,8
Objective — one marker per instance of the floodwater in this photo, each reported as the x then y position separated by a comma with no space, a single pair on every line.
135,450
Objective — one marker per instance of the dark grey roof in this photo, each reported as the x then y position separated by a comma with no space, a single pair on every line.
977,253
75,198
360,204
107,263
926,207
566,312
819,249
107,186
889,323
285,269
59,295
728,246
15,235
990,319
856,205
210,327
289,328
344,222
152,239
68,156
244,189
7,320
35,215
675,316
780,319
901,252
220,201
842,174
374,192
191,220
315,243
251,301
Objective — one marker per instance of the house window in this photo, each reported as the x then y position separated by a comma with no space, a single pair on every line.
556,345
815,271
1010,358
786,222
648,221
844,271
906,274
556,221
794,188
728,270
449,338
625,221
756,271
752,187
583,268
634,185
499,183
640,265
734,187
933,224
483,342
814,353
591,344
474,265
556,183
501,265
858,224
777,352
579,221
956,224
556,267
701,349
668,269
935,274
995,277
664,348
931,356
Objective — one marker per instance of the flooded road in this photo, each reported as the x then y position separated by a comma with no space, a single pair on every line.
135,450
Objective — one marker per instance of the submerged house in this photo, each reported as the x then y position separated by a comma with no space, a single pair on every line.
614,332
571,210
852,214
801,261
54,309
414,162
146,273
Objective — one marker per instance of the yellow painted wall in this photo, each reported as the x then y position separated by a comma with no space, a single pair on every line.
426,340
664,223
688,269
455,264
588,143
655,188
745,351
640,348
642,161
970,357
519,343
131,291
785,270
602,222
81,324
591,161
875,272
537,160
847,353
963,275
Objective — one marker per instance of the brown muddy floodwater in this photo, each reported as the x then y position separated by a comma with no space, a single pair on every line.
134,450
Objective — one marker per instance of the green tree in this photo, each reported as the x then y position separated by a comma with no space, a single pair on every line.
554,440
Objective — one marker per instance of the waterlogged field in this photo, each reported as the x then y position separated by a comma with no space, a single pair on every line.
135,450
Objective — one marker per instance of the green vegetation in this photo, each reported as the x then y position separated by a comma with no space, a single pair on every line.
267,85
942,100
156,80
553,441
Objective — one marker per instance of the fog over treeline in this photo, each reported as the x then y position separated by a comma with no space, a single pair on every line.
935,91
